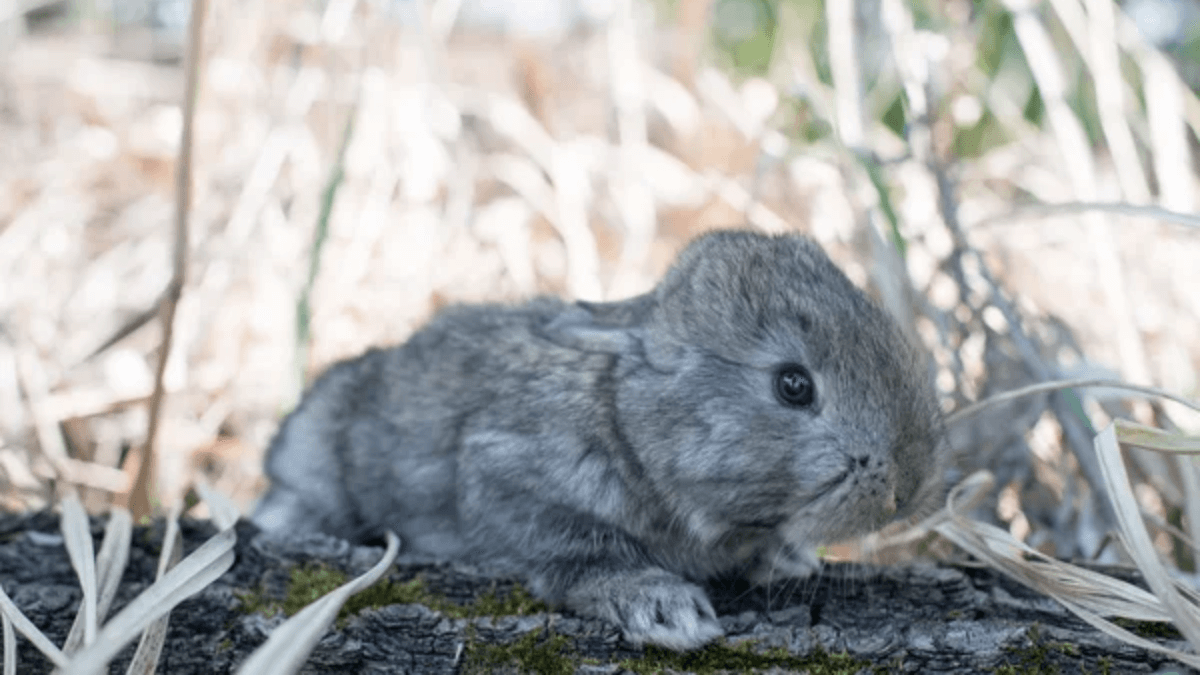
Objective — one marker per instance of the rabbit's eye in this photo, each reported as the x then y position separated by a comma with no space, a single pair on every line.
794,386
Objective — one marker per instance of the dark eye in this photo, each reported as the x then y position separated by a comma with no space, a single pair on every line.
794,386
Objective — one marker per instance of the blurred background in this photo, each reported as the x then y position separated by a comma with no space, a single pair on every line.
1013,179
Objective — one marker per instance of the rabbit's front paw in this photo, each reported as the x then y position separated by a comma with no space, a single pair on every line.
652,606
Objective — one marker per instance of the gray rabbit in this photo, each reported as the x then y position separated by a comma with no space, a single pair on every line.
751,407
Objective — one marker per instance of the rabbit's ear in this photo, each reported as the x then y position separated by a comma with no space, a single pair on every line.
604,327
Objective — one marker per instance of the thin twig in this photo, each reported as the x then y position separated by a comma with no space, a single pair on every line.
141,498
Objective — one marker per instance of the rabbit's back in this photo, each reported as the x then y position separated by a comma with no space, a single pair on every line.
378,440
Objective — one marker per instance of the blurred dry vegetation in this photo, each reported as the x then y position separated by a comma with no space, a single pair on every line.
359,164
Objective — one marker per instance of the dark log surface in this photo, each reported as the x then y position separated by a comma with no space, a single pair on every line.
927,619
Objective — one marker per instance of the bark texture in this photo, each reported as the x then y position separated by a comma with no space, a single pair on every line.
926,619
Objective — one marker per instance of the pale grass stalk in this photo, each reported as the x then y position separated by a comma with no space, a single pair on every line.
1080,586
1096,36
290,644
1056,385
86,474
1074,20
1170,104
145,658
715,89
570,193
673,101
193,574
1150,438
843,62
511,119
632,197
460,188
1189,479
33,381
442,16
336,19
572,197
1163,525
221,509
258,184
526,180
14,618
912,66
1073,145
1172,156
914,73
10,644
738,197
1088,594
1110,101
77,538
1128,210
110,566
816,93
1182,607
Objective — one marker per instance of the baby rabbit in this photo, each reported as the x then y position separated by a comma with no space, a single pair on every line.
752,406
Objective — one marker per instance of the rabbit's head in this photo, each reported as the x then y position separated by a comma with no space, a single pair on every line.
761,391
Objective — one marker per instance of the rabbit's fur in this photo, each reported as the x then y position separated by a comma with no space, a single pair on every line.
616,454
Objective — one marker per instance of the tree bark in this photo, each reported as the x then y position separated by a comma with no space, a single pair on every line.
921,619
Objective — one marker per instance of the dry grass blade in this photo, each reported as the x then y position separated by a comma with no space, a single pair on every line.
1087,594
843,63
1137,541
1043,387
110,565
17,620
145,659
221,509
114,555
1117,209
10,646
1110,89
78,539
1150,438
288,647
189,577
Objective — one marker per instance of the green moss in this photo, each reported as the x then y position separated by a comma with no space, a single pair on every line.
537,651
518,601
721,656
308,584
1161,630
256,602
412,592
1037,658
